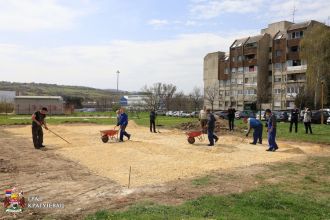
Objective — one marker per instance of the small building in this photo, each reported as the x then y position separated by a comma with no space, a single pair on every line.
30,104
7,96
133,101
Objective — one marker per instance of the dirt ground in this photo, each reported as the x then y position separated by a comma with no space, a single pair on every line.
88,174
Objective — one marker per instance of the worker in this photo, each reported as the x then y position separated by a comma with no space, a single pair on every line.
38,121
203,119
271,129
294,119
152,117
308,120
123,122
231,118
257,126
210,127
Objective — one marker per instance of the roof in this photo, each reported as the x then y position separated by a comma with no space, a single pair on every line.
279,35
38,97
299,25
239,42
254,39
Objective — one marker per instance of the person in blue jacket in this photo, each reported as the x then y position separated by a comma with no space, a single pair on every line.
271,128
256,125
123,122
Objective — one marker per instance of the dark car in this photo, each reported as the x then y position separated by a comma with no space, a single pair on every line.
160,113
246,114
284,116
222,114
316,117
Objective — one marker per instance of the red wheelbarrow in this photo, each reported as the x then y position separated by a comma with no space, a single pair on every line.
194,134
106,134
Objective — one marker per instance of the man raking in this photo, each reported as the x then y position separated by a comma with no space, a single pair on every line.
38,121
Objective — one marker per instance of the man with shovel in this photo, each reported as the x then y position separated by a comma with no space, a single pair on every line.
38,121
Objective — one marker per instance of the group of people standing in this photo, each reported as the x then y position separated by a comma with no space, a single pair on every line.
307,119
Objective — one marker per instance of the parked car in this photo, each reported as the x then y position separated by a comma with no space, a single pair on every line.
246,114
160,113
177,113
277,115
262,115
284,116
169,113
222,114
194,114
237,113
328,121
185,115
316,117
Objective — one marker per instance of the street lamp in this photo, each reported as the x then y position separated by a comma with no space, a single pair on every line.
117,79
322,102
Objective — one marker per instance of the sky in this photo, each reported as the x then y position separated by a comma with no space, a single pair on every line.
85,42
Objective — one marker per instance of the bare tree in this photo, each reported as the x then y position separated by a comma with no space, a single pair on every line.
196,98
211,93
159,95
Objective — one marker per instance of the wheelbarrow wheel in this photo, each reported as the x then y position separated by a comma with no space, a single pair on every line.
191,140
105,138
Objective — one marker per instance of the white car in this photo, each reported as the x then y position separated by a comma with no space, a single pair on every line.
262,116
328,121
169,113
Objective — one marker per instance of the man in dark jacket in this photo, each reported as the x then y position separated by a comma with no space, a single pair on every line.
294,119
231,118
123,122
38,121
210,128
152,121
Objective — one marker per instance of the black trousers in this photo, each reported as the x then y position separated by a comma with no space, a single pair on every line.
152,125
231,123
308,127
37,136
295,125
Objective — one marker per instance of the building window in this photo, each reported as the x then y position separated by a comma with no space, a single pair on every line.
240,69
240,58
233,81
251,68
278,66
233,70
246,80
233,58
227,93
226,70
277,79
294,49
278,53
277,91
239,81
240,92
250,57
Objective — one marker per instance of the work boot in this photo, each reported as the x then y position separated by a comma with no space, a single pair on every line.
260,142
42,146
129,137
216,139
210,145
253,143
270,149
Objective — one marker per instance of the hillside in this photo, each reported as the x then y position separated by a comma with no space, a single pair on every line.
87,93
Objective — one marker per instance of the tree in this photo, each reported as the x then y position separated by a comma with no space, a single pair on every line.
196,98
211,93
315,49
159,95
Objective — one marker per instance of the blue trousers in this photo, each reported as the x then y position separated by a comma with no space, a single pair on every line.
271,139
211,136
257,134
123,132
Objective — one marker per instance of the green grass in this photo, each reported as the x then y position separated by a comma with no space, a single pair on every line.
321,133
302,196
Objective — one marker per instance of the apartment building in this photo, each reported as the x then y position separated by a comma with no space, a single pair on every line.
260,71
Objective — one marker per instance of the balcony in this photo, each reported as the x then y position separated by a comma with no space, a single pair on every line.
296,81
250,62
296,69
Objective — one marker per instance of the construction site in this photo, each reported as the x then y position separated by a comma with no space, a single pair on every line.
113,175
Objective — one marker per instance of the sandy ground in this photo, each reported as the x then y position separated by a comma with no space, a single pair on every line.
156,158
89,175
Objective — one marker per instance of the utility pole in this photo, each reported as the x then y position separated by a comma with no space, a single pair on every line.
322,102
117,80
293,10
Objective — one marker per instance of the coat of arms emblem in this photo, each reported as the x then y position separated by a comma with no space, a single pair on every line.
14,200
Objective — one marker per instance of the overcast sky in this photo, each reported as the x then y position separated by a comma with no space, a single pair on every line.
84,42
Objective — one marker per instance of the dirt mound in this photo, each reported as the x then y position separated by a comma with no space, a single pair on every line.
221,125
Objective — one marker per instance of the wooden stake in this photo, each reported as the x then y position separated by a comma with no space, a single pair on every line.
129,176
